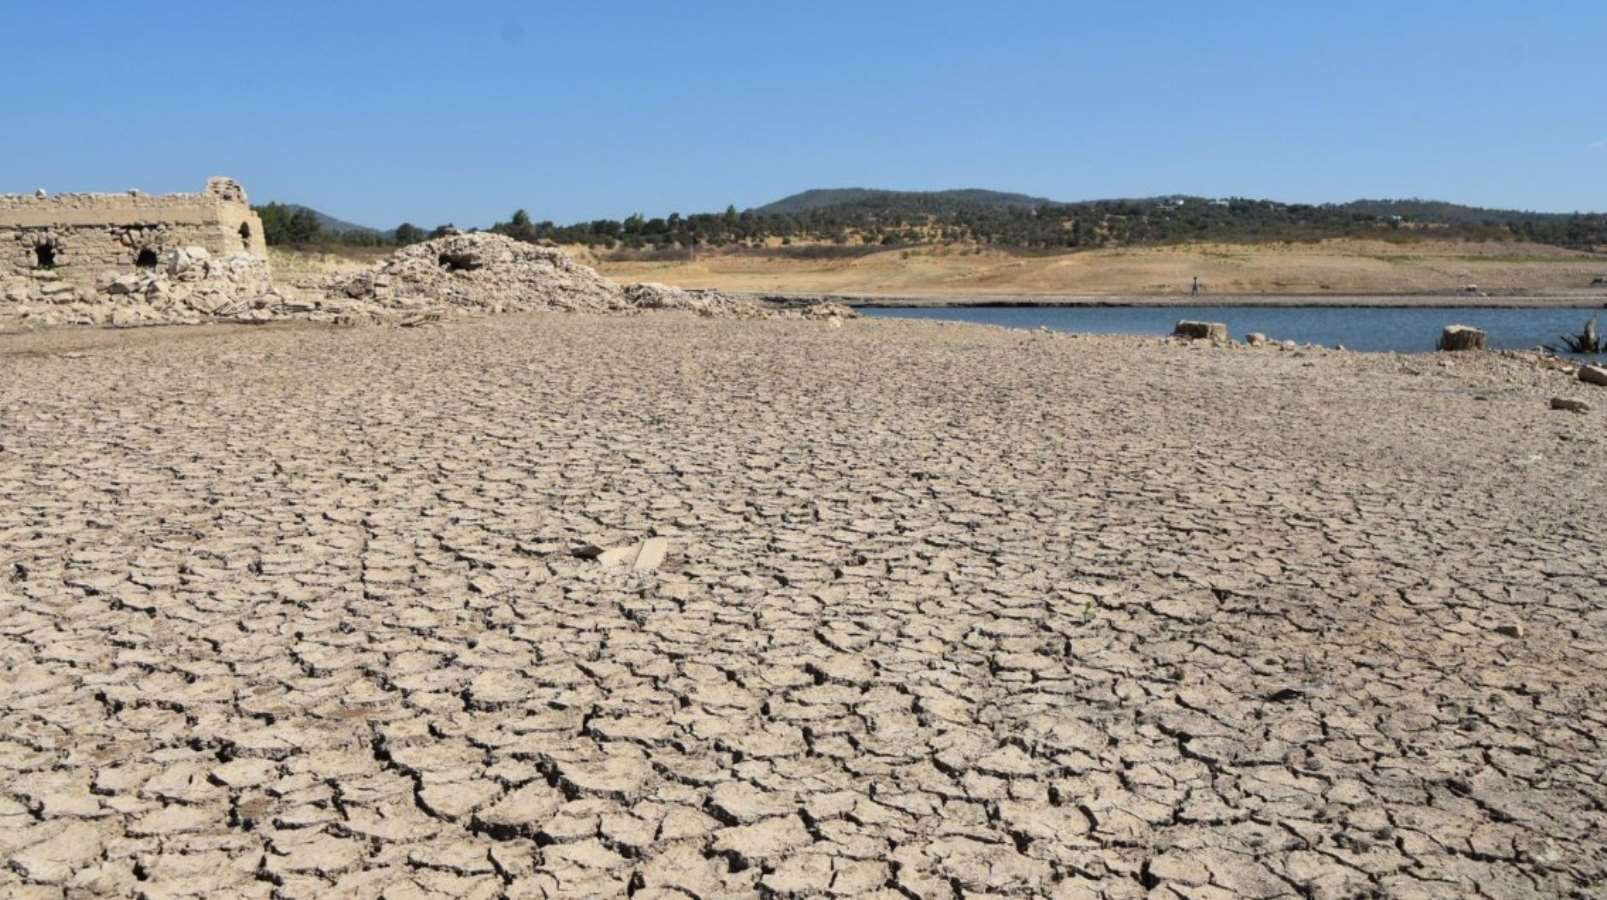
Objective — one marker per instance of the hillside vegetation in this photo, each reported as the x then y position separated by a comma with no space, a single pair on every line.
850,223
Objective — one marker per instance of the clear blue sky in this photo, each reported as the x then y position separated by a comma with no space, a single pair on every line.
462,112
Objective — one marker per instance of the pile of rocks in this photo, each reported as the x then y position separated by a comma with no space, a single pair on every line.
485,273
482,273
188,284
459,274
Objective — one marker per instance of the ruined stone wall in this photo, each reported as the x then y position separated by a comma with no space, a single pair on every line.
70,243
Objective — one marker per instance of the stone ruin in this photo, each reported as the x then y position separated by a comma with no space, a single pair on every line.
137,259
131,257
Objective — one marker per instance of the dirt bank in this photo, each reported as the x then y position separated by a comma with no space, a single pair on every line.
1331,269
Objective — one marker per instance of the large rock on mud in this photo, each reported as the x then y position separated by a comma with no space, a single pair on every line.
1462,337
1201,331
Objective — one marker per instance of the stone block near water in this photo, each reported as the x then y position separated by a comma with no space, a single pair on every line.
1201,331
1462,337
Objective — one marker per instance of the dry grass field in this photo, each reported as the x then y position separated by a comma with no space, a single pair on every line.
1334,267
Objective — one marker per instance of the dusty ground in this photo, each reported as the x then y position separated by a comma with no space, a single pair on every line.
948,611
1331,269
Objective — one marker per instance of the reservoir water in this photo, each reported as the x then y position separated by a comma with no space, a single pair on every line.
1391,329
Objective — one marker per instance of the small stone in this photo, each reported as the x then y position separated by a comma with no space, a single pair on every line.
650,554
1511,629
1593,375
1255,338
1564,403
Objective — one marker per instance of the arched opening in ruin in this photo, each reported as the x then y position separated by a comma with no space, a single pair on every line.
245,235
44,256
459,262
146,259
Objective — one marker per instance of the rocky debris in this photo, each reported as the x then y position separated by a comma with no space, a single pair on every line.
189,285
833,313
714,304
1201,331
481,272
1570,405
1593,375
1461,337
1255,339
459,274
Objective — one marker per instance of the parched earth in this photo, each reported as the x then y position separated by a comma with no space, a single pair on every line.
947,611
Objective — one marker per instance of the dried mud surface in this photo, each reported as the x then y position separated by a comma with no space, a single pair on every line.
947,611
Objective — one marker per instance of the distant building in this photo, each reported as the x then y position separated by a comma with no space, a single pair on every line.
77,238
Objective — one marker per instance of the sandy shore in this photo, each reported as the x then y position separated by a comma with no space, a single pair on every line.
947,610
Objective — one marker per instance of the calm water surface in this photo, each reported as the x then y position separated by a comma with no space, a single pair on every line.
1409,330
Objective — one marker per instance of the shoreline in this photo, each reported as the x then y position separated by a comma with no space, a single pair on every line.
1293,301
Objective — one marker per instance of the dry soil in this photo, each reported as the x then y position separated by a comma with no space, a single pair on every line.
947,611
1327,271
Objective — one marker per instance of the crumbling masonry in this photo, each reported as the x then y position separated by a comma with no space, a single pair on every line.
75,242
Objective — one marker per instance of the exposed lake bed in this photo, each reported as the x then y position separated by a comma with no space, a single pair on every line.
1027,613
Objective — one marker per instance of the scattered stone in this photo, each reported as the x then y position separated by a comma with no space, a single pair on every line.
1512,630
1593,375
1255,339
1570,405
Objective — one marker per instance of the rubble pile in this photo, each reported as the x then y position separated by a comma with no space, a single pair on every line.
458,274
486,273
482,273
187,285
711,304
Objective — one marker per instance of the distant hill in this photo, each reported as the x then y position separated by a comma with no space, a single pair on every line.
329,223
921,201
1442,213
837,222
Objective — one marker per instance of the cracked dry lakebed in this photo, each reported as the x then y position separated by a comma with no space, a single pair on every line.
562,605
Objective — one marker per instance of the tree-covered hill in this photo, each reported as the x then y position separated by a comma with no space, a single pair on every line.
869,198
849,221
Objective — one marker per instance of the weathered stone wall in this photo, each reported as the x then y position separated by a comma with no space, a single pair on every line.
70,243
